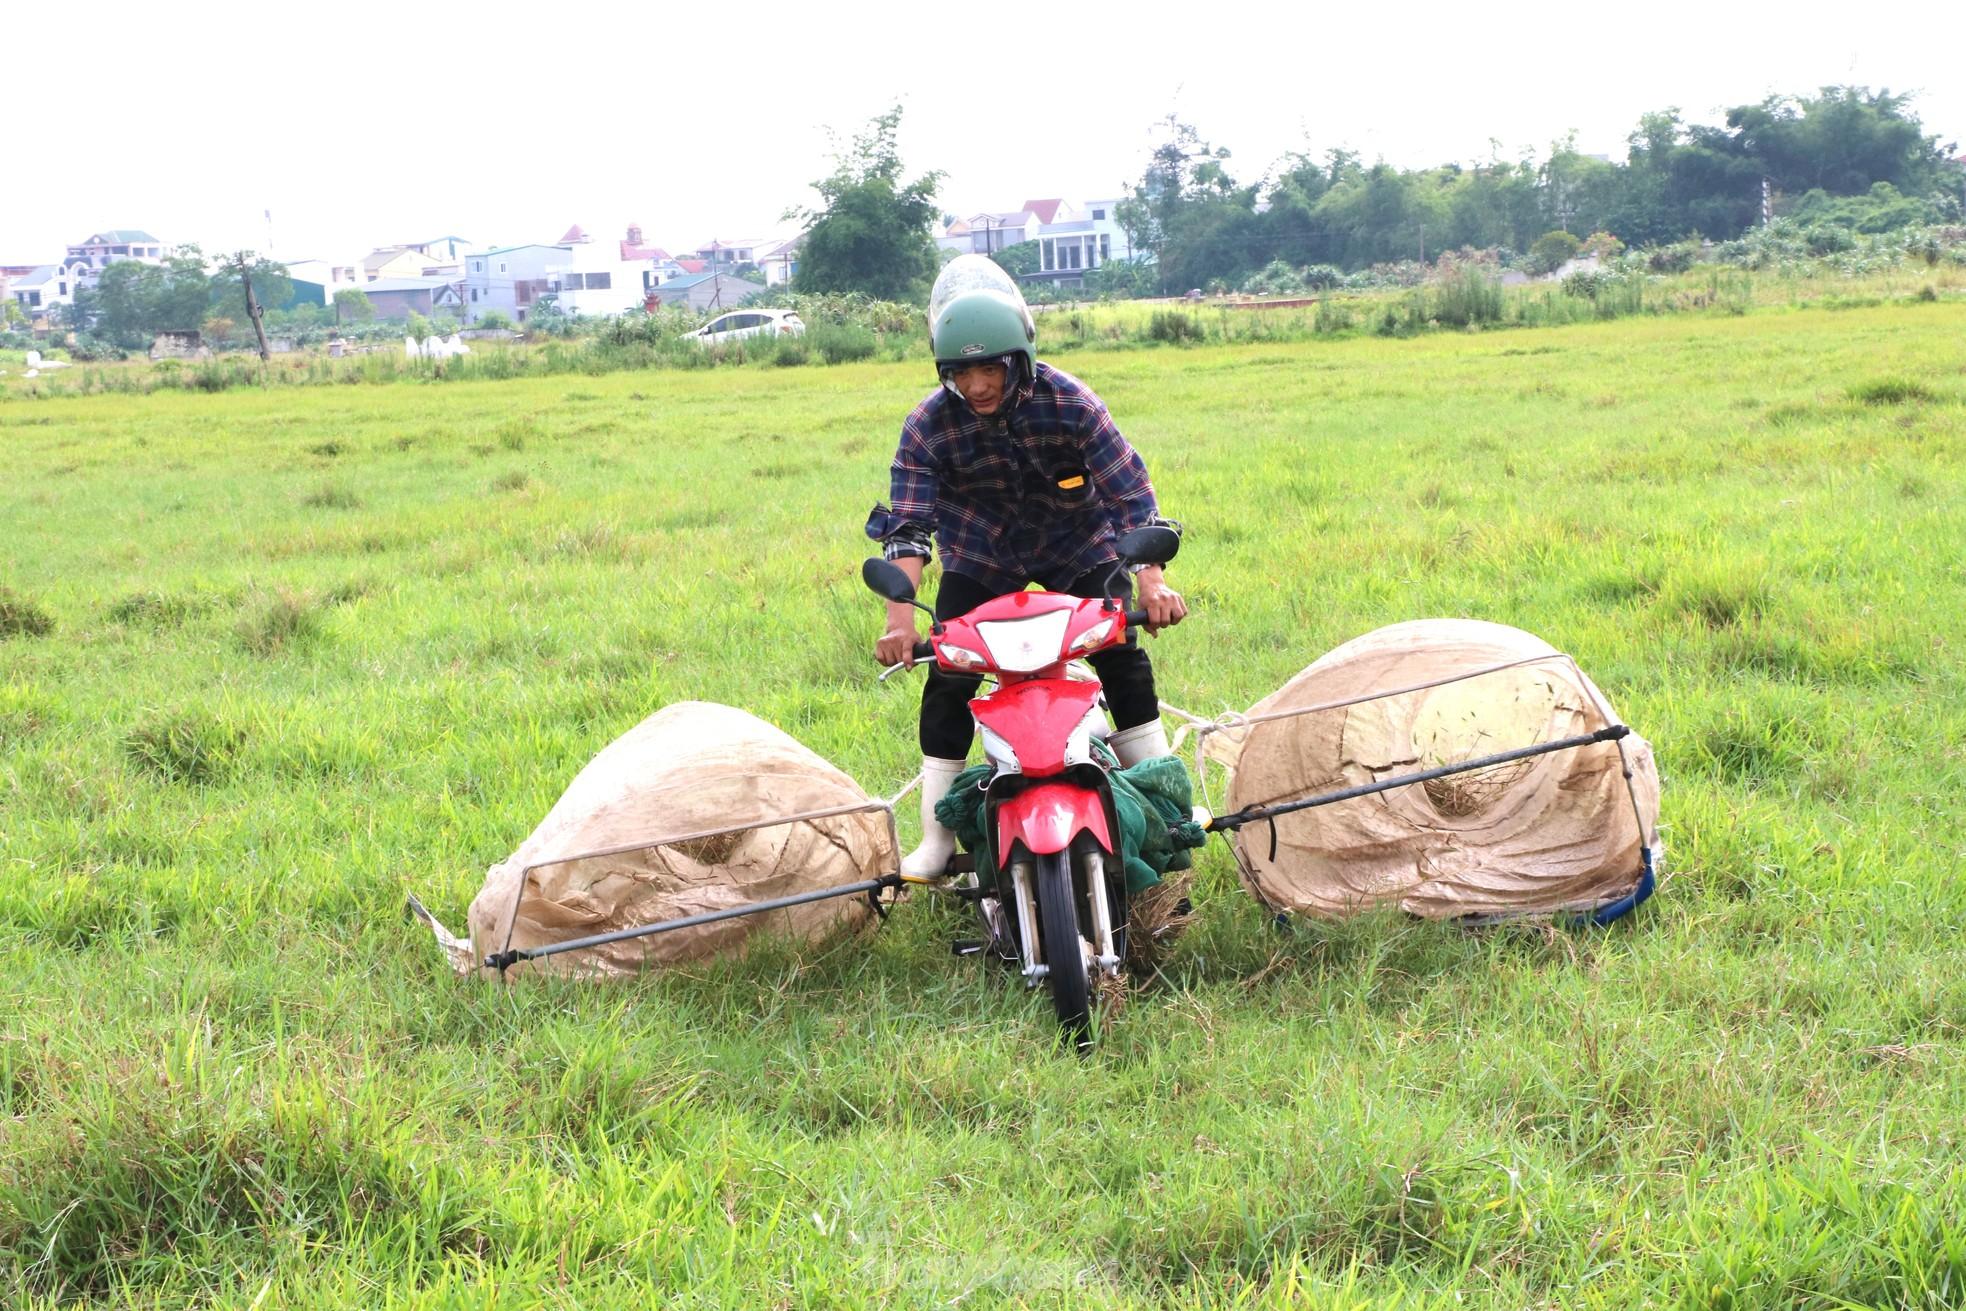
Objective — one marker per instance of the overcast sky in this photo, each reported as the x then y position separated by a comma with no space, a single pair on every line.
360,124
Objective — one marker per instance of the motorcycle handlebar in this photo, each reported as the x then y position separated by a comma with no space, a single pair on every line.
924,651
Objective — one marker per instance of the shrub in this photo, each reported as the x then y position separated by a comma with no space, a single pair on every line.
275,622
840,343
1174,326
20,617
1889,391
187,747
1468,297
1552,251
1603,245
1676,258
493,319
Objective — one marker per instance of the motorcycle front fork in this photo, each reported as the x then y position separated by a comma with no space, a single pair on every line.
1104,952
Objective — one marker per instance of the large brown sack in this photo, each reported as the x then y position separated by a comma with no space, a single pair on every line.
688,768
1554,832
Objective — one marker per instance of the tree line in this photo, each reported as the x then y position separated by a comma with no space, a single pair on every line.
1845,155
1678,180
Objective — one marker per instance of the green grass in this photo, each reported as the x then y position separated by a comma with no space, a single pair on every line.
276,657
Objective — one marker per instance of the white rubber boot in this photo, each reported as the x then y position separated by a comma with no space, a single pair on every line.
1141,742
931,858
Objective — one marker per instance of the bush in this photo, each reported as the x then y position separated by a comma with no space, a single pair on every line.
791,351
20,617
1603,245
1676,258
1467,297
188,747
493,319
1552,251
841,343
1174,326
89,348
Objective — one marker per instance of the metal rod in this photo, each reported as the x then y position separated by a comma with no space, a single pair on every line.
670,840
502,960
1250,814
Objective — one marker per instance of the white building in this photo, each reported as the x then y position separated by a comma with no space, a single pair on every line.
99,250
1075,241
47,285
989,231
510,279
778,261
594,279
318,281
1071,239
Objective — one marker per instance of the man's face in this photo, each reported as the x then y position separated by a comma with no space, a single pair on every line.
981,385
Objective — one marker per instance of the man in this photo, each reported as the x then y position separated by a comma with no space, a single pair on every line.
1018,472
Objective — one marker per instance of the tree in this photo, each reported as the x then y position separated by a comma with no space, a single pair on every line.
352,305
1840,141
1020,259
1552,251
872,231
135,300
271,285
1180,209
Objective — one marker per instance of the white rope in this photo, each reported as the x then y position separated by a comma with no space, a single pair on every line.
910,786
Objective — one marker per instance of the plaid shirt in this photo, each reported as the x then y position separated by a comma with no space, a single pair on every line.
1035,491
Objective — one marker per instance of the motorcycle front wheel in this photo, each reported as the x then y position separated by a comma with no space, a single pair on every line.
1058,928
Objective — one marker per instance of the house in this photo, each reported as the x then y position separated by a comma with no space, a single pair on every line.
443,250
46,285
99,250
707,291
634,249
726,255
778,262
398,298
411,262
988,232
1074,241
658,265
592,277
510,279
316,280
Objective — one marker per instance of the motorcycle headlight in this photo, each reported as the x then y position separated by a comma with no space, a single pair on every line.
1091,638
1023,646
961,657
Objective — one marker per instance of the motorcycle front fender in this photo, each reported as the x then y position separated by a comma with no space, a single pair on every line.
1046,817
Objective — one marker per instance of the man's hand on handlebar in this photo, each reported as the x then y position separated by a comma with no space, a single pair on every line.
897,645
1163,604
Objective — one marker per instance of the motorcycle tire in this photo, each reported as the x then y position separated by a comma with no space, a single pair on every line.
1058,929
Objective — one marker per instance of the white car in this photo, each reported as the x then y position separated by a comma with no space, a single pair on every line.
749,323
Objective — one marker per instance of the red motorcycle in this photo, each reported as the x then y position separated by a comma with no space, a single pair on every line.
1048,808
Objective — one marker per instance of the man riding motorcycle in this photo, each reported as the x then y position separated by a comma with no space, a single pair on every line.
1019,473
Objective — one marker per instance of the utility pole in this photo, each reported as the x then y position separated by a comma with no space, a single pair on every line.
1423,243
1767,203
253,310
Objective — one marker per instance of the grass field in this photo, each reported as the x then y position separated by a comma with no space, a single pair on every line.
270,659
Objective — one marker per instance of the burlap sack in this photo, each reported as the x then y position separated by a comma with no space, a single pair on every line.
1554,832
687,768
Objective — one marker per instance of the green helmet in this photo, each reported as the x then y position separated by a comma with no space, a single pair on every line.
976,315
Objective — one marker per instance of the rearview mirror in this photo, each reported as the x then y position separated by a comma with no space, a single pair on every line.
885,578
1154,544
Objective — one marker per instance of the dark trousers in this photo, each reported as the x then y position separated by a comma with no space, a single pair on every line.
1124,671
